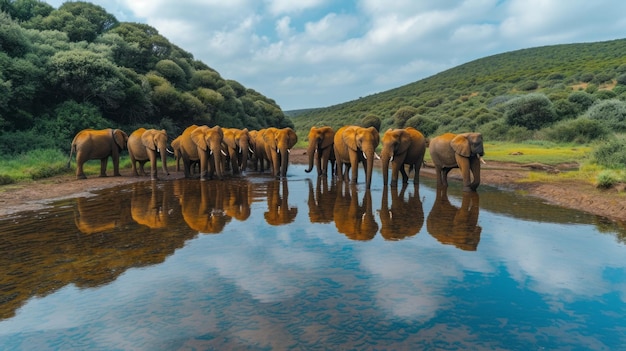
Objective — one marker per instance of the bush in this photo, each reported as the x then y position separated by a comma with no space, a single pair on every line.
402,115
606,179
528,85
566,109
611,154
581,130
611,113
371,121
582,99
424,124
531,111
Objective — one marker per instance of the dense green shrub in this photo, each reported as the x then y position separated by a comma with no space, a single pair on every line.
604,94
422,123
582,99
621,79
402,115
528,85
611,113
531,111
566,109
580,130
611,154
371,121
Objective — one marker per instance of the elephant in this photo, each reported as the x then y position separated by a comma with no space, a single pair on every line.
402,147
322,200
405,218
92,144
321,142
453,225
144,145
463,151
204,144
257,145
278,143
278,210
202,206
237,142
354,144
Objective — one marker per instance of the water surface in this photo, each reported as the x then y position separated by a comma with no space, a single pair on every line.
303,263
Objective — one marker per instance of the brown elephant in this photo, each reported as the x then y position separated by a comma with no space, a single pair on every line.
402,147
237,142
463,151
92,144
237,199
322,200
278,144
405,217
257,145
354,220
354,145
202,206
453,225
145,145
204,144
278,210
321,143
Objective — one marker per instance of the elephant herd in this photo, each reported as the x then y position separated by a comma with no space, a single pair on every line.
344,149
214,150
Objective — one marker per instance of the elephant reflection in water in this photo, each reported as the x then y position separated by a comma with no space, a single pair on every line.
102,213
202,205
354,220
237,199
322,200
278,210
453,225
405,217
150,205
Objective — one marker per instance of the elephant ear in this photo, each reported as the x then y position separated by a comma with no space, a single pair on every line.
328,138
120,138
147,139
404,141
375,135
293,138
461,145
349,137
197,136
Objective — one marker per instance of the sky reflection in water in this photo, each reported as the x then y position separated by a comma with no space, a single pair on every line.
265,264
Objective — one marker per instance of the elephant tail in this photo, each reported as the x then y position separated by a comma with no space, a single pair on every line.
72,150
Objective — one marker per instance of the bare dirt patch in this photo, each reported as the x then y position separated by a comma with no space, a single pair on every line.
609,203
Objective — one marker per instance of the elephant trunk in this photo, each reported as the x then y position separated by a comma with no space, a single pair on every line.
164,161
385,160
369,168
284,161
311,153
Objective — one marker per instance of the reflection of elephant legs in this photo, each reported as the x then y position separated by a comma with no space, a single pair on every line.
404,218
453,225
355,221
278,210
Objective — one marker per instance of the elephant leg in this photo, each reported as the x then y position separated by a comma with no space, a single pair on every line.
475,170
103,166
405,176
80,174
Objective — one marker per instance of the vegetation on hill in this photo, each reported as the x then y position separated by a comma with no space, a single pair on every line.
572,93
75,67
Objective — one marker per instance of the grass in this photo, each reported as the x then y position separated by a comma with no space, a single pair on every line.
38,164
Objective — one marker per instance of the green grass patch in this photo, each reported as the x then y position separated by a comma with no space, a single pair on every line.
546,153
35,164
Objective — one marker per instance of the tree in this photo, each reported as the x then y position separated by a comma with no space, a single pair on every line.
402,115
80,20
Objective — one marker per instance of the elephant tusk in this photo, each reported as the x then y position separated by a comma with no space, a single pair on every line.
482,160
224,153
376,155
249,149
288,151
391,159
170,151
364,155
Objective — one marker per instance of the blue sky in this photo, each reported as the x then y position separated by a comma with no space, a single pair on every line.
316,53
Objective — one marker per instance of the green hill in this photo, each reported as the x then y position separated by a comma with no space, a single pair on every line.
75,67
564,93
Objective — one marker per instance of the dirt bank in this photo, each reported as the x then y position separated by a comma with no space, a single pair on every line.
610,203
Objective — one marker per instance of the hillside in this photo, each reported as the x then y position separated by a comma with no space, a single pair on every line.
535,93
75,67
